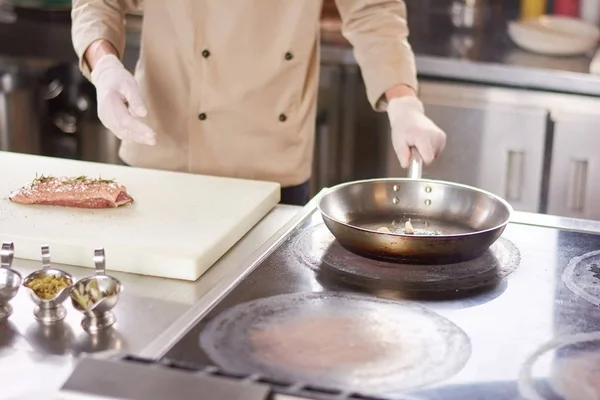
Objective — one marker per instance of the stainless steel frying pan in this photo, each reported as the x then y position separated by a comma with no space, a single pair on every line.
450,222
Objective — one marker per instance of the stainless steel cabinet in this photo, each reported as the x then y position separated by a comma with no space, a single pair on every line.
538,150
495,147
574,183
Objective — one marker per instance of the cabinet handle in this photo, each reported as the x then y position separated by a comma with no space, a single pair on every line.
577,185
514,175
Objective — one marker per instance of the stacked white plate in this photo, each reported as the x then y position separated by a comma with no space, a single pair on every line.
554,35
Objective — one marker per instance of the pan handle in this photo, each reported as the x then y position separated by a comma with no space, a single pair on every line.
415,167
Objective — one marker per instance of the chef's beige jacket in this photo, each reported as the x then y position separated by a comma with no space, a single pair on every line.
231,85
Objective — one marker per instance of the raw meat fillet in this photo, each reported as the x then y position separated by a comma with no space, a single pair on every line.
80,192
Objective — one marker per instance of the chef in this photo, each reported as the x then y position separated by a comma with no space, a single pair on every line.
229,88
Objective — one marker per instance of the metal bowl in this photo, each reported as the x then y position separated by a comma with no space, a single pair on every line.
49,310
60,296
10,279
98,315
105,284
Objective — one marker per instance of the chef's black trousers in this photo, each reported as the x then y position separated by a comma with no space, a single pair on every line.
297,195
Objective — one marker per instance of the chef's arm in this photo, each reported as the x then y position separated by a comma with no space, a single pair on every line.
378,32
97,50
98,28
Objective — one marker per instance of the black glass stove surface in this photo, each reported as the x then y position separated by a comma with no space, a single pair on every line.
535,285
337,339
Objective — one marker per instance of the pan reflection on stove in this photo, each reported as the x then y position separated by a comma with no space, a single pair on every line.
480,280
351,342
440,299
571,366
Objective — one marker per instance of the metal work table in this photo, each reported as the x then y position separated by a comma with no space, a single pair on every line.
182,335
147,308
547,291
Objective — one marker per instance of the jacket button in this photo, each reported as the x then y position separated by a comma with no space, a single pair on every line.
202,116
289,56
282,117
205,53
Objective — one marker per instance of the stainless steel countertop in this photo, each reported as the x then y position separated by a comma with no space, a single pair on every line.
517,69
486,57
147,309
164,342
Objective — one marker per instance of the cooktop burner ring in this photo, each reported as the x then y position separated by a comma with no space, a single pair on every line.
318,250
341,340
574,371
582,276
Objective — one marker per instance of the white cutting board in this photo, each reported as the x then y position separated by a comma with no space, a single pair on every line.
177,227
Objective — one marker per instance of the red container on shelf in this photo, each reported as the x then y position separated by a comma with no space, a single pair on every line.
568,8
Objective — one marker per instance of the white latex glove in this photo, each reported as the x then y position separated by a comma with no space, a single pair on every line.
115,86
410,127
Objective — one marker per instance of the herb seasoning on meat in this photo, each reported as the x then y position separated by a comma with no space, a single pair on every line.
80,191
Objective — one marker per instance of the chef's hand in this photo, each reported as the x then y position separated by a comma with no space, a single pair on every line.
115,86
410,127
